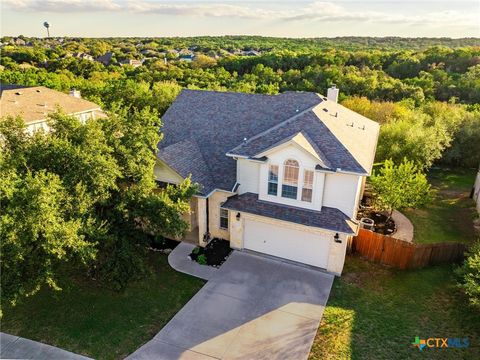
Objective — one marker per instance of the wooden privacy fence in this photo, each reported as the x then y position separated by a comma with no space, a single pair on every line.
402,254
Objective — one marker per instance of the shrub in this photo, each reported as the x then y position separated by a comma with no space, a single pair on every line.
202,259
469,275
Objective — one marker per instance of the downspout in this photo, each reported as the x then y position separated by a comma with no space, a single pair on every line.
208,215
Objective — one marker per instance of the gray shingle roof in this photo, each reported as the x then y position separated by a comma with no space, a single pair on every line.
328,218
319,135
188,159
216,122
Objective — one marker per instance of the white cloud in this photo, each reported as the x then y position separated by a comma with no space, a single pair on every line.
62,6
313,12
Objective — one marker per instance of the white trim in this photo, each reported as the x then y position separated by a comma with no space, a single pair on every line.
351,172
211,192
237,156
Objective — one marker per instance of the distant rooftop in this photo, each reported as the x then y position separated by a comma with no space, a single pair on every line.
35,103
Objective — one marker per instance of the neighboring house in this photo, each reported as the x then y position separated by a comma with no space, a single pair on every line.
251,53
132,62
280,175
18,41
83,56
186,57
34,104
106,58
476,191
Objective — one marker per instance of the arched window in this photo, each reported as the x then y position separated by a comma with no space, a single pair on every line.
290,179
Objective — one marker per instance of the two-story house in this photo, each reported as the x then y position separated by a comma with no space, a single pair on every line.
280,175
34,104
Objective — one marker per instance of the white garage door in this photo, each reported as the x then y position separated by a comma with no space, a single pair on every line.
281,241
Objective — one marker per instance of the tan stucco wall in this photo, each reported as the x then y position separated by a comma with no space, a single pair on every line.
202,219
214,201
236,230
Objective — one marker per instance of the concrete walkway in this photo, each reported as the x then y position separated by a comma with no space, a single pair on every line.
179,260
251,308
14,347
404,227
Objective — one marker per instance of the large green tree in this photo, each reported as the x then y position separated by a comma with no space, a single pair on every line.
399,186
83,194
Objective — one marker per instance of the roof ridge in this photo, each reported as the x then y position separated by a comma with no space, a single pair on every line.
320,153
210,177
280,124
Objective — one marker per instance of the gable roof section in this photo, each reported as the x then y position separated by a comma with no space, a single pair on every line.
217,122
186,159
333,152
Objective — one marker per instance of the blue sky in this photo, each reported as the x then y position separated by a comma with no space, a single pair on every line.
97,18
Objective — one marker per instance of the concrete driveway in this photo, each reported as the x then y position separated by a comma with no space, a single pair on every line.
253,308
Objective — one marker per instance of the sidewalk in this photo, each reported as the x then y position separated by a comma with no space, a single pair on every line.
14,347
178,259
404,227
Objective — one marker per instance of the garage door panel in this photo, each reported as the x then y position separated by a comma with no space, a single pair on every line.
282,241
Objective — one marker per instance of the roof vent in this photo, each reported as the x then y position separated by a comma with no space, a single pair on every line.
297,110
351,125
244,139
325,109
18,93
362,128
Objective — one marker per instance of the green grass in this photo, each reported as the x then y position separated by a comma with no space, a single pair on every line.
99,323
449,218
375,313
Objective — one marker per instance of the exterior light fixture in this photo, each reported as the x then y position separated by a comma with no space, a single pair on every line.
238,216
337,238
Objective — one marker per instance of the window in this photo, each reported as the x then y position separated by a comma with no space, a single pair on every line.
307,185
273,180
290,179
223,218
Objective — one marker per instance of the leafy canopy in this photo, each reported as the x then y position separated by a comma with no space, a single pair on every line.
469,275
84,195
399,186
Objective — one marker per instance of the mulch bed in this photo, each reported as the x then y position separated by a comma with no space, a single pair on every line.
216,252
381,225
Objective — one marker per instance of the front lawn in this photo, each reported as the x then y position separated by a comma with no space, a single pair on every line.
376,313
450,216
99,323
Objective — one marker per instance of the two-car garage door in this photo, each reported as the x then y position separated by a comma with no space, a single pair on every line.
282,241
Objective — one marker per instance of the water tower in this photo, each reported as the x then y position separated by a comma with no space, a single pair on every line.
47,26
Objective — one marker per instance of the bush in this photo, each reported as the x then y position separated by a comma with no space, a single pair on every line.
469,275
202,259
